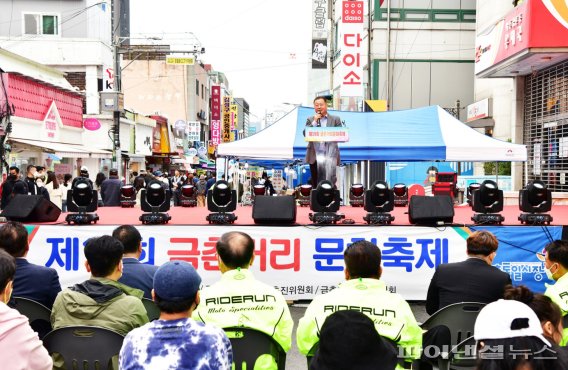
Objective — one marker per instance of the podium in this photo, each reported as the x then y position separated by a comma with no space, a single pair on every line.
324,141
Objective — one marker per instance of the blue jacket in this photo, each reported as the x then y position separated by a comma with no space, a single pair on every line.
138,275
36,282
110,192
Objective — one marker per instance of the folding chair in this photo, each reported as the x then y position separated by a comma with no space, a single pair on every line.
84,347
249,344
38,315
151,309
459,318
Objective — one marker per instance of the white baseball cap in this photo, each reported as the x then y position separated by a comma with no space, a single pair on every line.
84,169
495,321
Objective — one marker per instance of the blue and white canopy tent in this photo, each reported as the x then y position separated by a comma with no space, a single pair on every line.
422,134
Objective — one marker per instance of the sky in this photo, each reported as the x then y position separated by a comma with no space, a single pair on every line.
262,46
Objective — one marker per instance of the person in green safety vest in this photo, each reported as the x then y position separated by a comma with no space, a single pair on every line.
556,267
239,300
363,291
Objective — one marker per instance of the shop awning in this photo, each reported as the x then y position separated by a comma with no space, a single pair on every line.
63,149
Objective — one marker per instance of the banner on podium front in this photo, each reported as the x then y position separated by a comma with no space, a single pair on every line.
326,134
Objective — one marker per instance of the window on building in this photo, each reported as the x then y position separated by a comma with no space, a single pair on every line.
202,91
41,24
197,87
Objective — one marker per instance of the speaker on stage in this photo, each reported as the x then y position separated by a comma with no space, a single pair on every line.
274,210
31,208
424,210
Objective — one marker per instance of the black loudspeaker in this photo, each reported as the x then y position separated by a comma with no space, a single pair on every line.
31,208
431,210
274,210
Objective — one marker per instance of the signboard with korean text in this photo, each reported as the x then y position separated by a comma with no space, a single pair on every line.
531,27
325,134
304,262
234,109
479,110
215,115
193,130
320,19
180,60
352,48
226,119
52,123
319,53
108,78
277,180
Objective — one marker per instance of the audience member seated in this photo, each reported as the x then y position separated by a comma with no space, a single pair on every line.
363,291
253,304
35,282
20,347
134,273
549,315
348,340
175,341
556,266
101,300
472,280
509,336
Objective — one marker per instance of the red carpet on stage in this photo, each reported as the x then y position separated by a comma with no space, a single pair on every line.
196,215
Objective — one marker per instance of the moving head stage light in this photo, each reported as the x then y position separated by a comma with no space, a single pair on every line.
379,201
356,195
155,199
82,203
127,196
535,199
325,201
488,202
221,202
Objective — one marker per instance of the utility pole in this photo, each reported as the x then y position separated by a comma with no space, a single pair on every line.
116,152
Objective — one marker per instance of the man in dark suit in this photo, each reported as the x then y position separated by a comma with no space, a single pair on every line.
134,273
323,158
472,280
110,189
38,283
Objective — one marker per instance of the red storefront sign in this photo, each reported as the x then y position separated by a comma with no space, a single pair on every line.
525,38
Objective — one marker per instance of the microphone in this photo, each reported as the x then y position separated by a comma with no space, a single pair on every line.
318,121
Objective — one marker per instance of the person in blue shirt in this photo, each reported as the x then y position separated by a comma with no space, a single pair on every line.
175,341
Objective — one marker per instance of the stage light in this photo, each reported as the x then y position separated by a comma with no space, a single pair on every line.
400,195
156,200
82,203
488,202
188,196
127,196
470,189
535,199
356,193
303,193
221,201
379,201
325,201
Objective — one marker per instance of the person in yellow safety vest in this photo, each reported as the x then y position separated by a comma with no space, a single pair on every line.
238,299
363,291
556,268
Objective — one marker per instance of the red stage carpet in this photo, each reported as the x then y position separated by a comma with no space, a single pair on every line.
196,215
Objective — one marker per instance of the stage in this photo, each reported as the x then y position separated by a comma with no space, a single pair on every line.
303,259
196,216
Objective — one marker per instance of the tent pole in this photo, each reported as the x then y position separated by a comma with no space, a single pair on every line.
526,172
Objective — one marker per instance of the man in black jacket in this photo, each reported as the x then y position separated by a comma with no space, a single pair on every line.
472,280
110,189
8,186
30,180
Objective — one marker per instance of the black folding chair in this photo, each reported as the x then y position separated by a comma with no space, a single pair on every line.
84,347
151,309
38,315
249,344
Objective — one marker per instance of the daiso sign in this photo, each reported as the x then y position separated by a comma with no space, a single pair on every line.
353,12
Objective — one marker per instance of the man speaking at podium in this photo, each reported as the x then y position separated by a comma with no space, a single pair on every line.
323,157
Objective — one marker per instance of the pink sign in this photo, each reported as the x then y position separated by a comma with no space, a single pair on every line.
91,124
